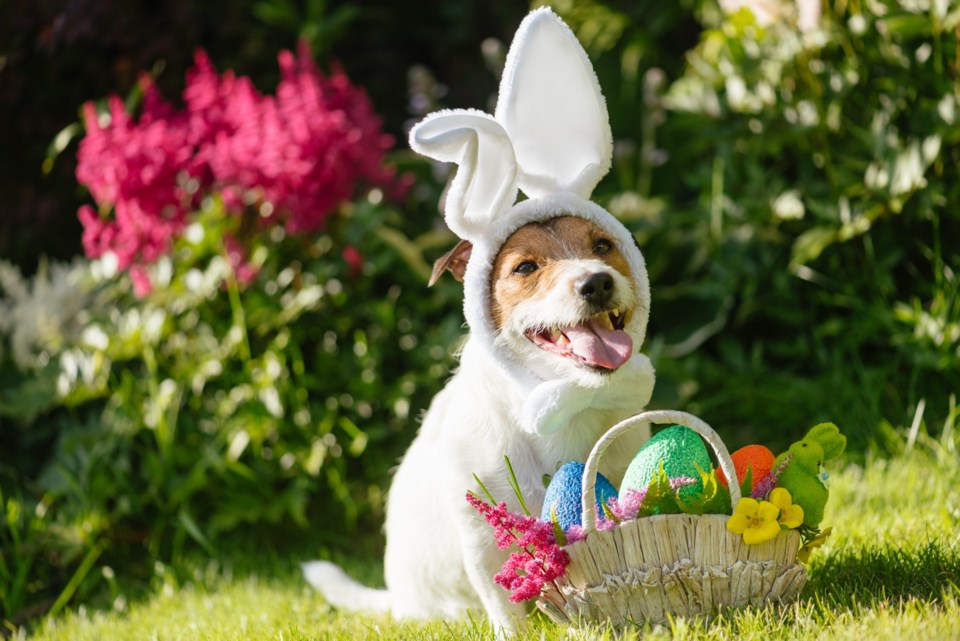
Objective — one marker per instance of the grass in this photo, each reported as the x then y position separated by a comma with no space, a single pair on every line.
890,571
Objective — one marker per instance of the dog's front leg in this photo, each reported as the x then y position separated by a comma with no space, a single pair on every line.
482,560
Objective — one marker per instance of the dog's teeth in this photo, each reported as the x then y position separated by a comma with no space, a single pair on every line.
616,313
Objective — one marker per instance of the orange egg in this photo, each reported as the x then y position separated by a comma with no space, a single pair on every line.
757,457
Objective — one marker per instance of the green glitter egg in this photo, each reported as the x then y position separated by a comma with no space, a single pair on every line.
680,449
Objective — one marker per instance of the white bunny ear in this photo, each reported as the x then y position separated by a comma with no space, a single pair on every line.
486,182
552,109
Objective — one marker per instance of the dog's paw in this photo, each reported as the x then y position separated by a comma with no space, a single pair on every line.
549,407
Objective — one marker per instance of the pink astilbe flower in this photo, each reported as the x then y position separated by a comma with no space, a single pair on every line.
627,505
539,561
290,158
575,533
769,482
135,168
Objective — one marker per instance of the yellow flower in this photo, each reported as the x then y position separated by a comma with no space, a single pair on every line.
791,515
755,520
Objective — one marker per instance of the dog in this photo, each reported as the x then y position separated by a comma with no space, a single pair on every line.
557,299
562,300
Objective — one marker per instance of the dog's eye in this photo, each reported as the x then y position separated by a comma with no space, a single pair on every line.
526,267
602,246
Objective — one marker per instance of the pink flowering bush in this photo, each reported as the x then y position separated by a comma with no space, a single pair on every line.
289,159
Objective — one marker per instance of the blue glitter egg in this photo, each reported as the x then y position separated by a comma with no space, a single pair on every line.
565,491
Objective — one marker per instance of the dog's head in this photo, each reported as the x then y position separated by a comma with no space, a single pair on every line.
562,299
554,288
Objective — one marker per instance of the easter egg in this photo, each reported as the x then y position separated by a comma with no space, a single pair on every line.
756,457
565,491
680,449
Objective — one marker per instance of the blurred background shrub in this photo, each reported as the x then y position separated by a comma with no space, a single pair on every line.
789,169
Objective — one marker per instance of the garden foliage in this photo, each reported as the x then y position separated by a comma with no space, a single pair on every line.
793,190
792,186
259,368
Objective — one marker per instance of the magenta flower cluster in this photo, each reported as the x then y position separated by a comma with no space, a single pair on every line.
289,158
769,482
539,560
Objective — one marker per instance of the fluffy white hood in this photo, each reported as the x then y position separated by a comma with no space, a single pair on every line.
551,139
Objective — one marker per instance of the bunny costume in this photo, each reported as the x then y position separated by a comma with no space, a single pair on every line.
550,137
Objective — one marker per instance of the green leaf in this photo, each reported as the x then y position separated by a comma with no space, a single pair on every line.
59,143
194,531
810,244
512,478
405,249
607,512
483,487
558,534
278,13
909,25
746,487
712,499
659,497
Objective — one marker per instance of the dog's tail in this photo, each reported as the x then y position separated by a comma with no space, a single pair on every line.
342,591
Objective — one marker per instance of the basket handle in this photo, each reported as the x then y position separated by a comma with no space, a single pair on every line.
641,420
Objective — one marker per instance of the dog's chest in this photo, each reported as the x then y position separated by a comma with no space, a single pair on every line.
542,456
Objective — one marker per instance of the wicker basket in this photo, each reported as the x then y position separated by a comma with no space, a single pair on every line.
660,566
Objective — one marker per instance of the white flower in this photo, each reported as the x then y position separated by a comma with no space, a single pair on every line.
857,24
40,314
788,206
95,337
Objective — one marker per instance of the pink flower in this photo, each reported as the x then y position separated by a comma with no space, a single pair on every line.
353,259
142,285
539,561
627,505
134,168
243,271
575,533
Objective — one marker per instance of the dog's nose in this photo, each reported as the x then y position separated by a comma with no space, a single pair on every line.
597,289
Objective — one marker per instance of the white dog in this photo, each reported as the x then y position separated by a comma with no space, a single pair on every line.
557,299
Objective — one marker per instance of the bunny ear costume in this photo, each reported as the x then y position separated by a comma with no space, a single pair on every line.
550,138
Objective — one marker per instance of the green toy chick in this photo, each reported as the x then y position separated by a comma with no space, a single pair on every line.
801,476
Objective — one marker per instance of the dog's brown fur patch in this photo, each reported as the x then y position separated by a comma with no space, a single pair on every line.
545,244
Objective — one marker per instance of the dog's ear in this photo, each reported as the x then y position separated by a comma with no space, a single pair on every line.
455,260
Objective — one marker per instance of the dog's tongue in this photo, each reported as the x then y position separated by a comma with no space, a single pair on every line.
599,345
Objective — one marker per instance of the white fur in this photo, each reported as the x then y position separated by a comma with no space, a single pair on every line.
551,138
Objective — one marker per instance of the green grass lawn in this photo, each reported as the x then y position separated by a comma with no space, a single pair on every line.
891,570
